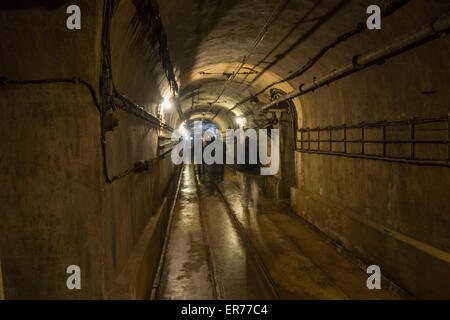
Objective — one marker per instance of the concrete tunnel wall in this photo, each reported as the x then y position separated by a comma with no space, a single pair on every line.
57,208
390,214
2,295
407,199
387,213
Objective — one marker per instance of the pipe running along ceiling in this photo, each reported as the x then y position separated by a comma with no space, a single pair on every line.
226,52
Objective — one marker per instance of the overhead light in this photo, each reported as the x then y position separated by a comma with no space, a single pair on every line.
166,103
240,121
183,132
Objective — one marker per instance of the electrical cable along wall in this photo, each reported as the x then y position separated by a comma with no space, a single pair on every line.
377,145
112,99
136,72
2,295
149,31
87,128
81,156
392,7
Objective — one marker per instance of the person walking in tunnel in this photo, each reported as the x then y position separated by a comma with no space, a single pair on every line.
222,165
213,170
200,166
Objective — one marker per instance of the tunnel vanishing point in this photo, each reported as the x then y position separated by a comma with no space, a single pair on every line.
93,207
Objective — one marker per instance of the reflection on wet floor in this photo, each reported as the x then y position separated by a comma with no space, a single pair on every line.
238,275
302,263
238,244
186,271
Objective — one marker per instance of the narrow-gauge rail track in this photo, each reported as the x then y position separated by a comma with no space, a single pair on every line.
207,253
243,237
250,247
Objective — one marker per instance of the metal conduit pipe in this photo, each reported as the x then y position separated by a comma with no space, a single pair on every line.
360,62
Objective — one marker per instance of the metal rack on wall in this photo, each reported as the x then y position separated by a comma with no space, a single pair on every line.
419,140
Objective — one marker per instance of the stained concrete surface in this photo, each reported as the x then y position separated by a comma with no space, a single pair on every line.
186,272
2,296
57,209
408,199
239,276
300,261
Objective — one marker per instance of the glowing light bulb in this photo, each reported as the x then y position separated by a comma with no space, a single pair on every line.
183,132
166,103
240,121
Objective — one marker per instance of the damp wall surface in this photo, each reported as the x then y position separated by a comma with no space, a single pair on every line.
394,215
57,209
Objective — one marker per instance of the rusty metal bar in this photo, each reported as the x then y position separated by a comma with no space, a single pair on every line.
384,125
345,138
413,146
362,140
318,140
388,159
387,141
309,139
331,139
380,124
301,140
448,138
416,120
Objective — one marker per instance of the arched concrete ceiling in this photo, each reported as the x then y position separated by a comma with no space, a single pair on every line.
204,85
208,39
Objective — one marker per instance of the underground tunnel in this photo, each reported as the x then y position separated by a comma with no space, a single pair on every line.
225,149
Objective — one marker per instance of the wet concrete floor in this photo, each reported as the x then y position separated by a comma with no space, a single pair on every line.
238,244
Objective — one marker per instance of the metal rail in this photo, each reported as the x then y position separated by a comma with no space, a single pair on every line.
218,289
414,126
250,247
162,258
